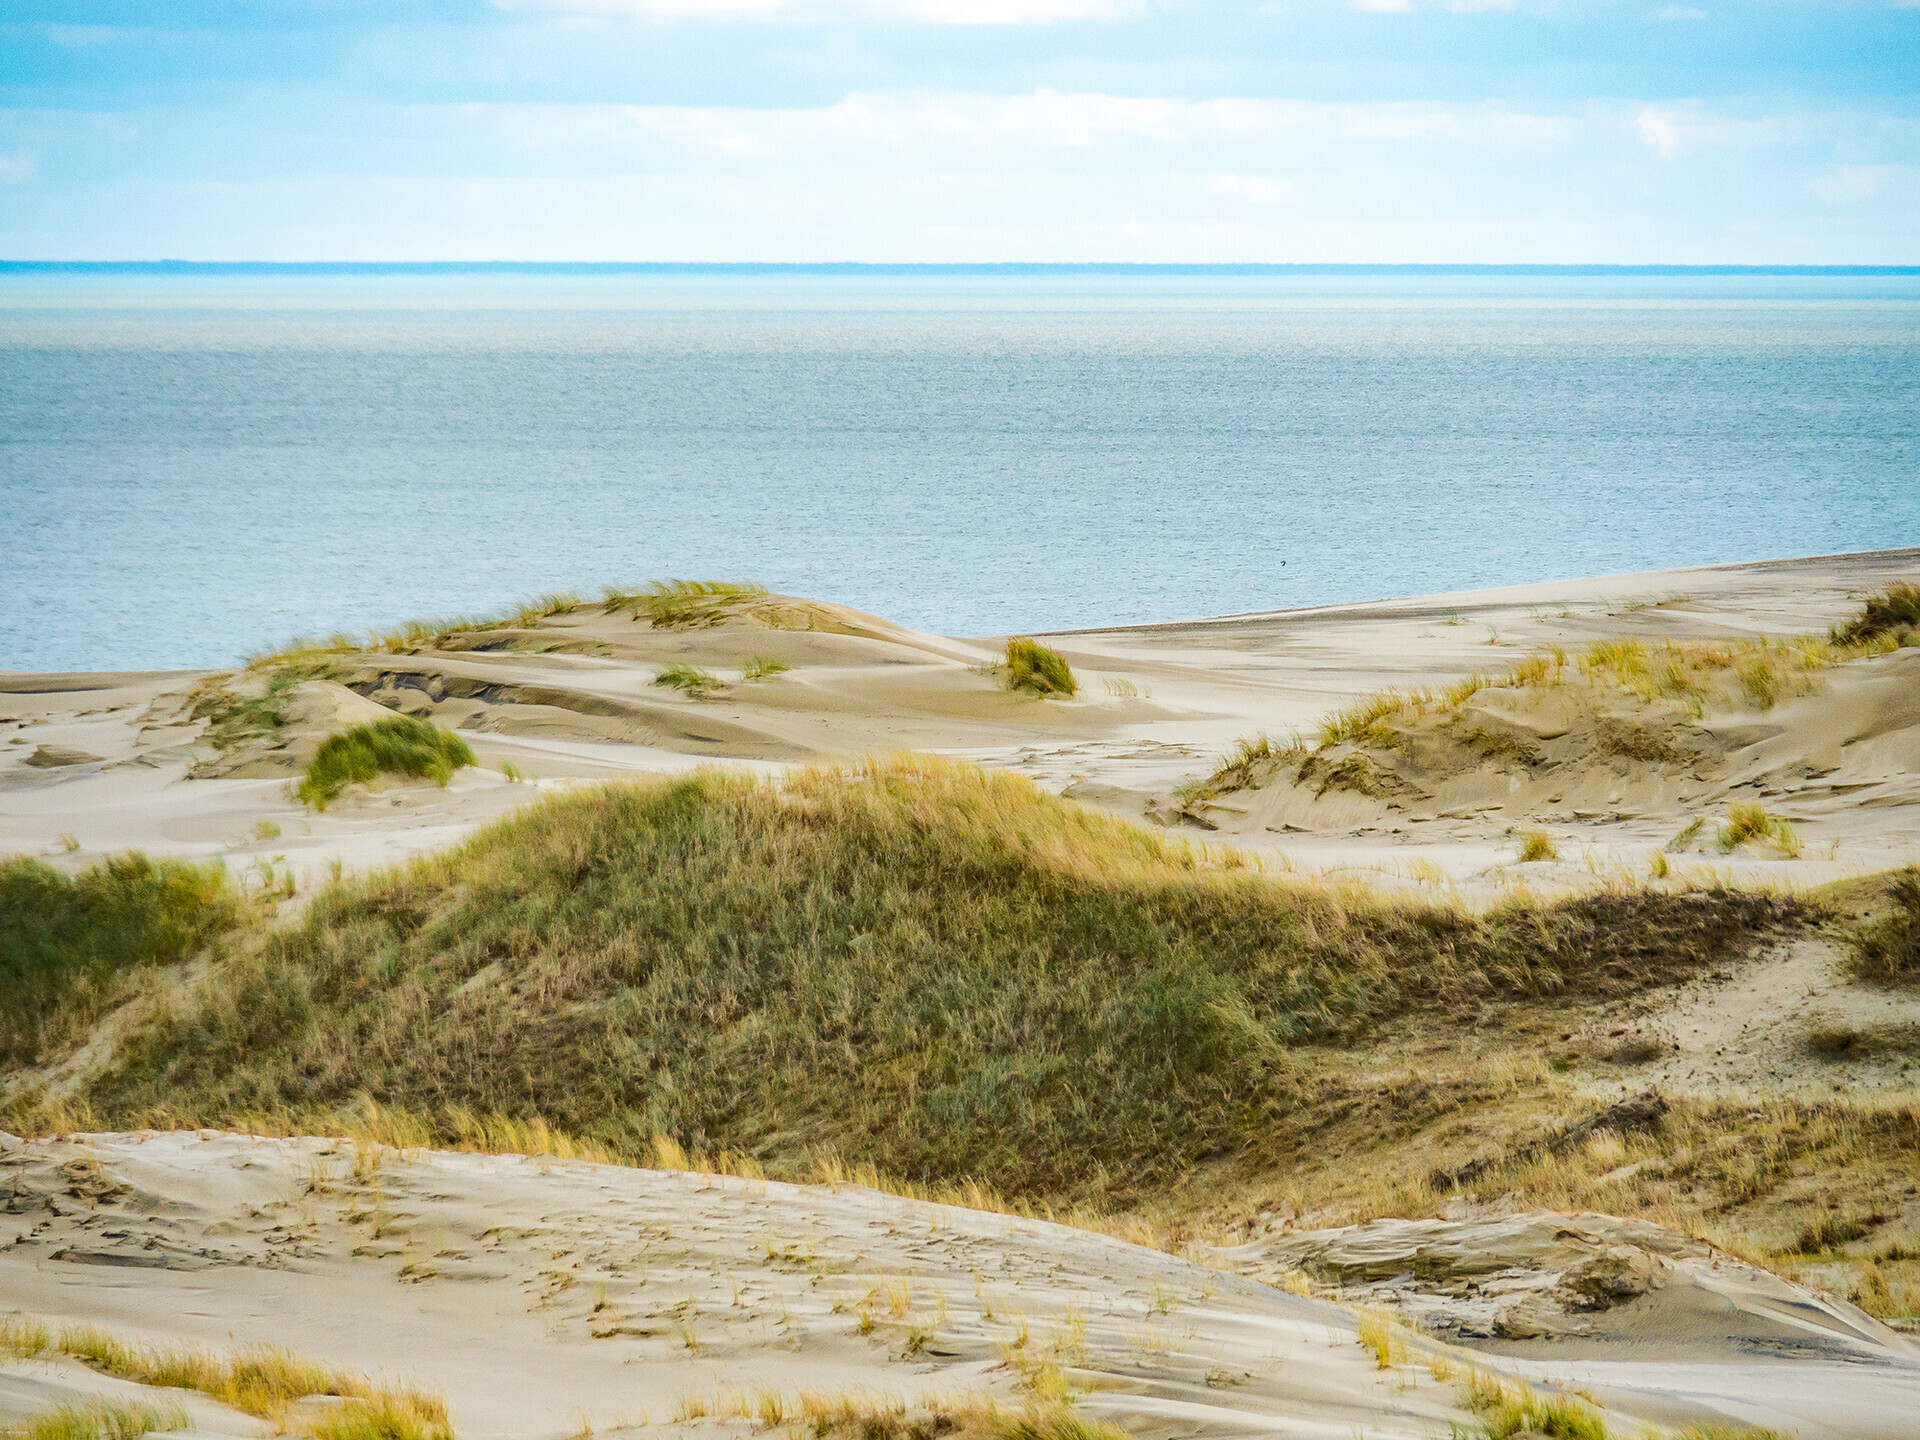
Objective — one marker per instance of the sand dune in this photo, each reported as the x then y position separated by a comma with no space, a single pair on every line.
573,697
542,1294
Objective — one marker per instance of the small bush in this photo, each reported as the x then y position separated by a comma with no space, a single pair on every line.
690,680
1887,951
64,937
1032,666
400,745
1896,612
758,667
1537,845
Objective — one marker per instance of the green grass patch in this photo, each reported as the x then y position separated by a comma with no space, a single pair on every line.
65,939
1034,667
398,745
1749,821
690,680
759,667
916,965
1537,845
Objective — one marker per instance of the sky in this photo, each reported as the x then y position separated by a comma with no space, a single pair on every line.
1184,131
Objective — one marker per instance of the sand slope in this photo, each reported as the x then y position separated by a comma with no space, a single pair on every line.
538,1293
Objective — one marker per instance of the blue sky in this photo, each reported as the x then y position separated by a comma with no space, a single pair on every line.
962,130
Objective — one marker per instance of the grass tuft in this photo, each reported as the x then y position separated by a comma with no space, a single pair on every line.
400,745
759,667
690,680
1894,613
1750,821
1033,666
1537,845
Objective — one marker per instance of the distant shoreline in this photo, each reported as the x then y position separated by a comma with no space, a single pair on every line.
852,268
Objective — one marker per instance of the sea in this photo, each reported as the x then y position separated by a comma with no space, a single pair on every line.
195,465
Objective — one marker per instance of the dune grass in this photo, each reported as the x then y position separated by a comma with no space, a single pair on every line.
1886,950
1748,821
398,745
759,667
101,1420
1034,667
683,604
261,1380
1892,614
410,637
64,939
690,680
1537,845
917,965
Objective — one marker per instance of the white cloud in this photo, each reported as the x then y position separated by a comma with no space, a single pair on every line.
17,167
931,12
1248,189
1855,184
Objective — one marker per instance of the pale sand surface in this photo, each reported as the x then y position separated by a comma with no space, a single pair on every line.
575,700
540,1294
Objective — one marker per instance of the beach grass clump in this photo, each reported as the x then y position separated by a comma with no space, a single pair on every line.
398,745
913,963
1886,950
1894,615
65,939
1037,668
683,604
101,1420
308,657
759,667
1749,821
689,680
1537,845
385,1415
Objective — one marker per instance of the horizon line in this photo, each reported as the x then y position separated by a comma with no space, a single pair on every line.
849,267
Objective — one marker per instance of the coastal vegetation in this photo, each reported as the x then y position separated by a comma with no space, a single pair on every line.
917,965
1885,950
690,680
1038,669
759,667
398,745
65,939
683,604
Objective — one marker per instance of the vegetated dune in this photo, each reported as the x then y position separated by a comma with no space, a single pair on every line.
972,989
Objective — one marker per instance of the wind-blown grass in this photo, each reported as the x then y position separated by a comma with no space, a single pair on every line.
1749,821
65,939
683,604
261,1380
1037,668
101,1420
918,965
690,680
411,636
1894,613
399,745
